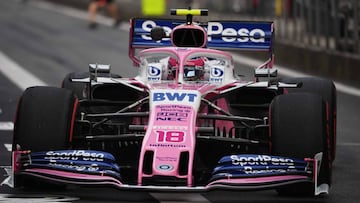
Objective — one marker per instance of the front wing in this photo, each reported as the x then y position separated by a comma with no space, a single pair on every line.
235,172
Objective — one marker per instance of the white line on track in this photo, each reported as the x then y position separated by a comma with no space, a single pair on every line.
38,198
8,147
6,126
17,74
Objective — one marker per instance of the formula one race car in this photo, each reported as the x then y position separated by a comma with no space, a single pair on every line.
187,122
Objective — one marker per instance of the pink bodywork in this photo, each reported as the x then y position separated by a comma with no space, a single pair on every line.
167,139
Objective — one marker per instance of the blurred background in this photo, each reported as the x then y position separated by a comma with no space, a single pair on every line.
306,30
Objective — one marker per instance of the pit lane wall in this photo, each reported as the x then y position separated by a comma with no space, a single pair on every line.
335,65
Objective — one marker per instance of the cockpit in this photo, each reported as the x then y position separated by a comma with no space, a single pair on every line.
188,67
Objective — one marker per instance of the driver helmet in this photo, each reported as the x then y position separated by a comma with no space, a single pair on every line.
194,70
172,67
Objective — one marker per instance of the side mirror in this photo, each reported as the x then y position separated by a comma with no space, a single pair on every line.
96,69
157,33
266,72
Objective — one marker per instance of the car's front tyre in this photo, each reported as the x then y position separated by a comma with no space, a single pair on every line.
44,121
298,130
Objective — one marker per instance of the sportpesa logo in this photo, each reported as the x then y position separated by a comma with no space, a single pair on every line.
75,155
253,160
228,32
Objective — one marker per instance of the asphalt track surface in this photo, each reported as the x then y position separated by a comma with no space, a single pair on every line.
48,44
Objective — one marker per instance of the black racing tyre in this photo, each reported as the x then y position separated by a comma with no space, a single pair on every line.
326,89
80,89
298,129
45,119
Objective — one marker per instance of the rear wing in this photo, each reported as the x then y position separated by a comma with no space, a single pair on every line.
239,35
221,34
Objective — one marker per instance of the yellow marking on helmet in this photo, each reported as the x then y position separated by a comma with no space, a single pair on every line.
194,12
182,12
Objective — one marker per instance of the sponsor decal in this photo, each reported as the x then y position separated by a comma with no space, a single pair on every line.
251,170
165,167
261,160
88,168
166,159
239,165
154,73
75,155
161,127
174,108
171,116
174,96
172,113
216,74
230,34
168,145
80,168
230,31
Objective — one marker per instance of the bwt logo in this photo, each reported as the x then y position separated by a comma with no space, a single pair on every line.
216,72
244,34
174,96
154,71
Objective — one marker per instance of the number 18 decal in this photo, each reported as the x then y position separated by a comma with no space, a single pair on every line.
170,136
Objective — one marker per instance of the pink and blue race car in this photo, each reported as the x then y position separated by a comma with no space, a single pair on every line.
186,122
